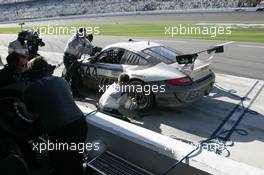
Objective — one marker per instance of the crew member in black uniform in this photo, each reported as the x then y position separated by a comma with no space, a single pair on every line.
12,73
50,97
12,128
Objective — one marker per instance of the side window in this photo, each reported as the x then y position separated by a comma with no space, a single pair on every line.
131,58
112,56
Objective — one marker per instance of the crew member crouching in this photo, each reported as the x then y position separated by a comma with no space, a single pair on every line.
116,101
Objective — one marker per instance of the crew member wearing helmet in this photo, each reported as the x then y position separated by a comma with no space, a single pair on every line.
78,45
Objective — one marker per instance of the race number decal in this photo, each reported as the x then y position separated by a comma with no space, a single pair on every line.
103,80
91,71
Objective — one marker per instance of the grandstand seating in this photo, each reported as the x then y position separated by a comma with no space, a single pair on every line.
26,9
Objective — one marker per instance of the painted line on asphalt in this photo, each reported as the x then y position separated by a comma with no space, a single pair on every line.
220,127
236,115
224,44
257,92
251,46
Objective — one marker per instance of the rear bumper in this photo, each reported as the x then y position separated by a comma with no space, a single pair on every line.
176,96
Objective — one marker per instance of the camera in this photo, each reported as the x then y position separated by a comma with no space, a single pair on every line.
34,42
35,39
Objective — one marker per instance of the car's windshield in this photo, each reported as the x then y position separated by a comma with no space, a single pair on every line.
164,54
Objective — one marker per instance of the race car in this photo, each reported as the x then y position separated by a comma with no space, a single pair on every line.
163,76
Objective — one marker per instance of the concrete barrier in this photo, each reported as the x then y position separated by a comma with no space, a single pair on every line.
156,152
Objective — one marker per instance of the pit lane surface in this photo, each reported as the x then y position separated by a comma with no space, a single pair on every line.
201,119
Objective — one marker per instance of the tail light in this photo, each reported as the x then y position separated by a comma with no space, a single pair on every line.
184,81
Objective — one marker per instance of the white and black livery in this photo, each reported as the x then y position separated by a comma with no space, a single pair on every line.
167,76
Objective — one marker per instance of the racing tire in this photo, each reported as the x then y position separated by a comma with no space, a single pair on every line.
145,101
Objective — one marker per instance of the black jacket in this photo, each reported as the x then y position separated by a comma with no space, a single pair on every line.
50,97
6,77
11,80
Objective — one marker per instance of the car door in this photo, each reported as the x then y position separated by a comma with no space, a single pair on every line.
108,65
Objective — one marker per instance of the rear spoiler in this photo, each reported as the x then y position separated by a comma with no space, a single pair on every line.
190,58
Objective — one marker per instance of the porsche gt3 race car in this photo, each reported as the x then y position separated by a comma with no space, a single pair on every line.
167,77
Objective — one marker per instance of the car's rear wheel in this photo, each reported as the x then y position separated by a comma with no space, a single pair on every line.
145,100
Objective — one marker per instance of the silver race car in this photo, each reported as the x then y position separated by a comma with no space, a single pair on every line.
162,75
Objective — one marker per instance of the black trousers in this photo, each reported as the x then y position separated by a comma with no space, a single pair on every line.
69,162
72,73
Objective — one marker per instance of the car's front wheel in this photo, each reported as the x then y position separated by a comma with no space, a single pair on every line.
143,95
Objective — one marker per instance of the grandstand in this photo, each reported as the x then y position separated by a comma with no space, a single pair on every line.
13,1
28,9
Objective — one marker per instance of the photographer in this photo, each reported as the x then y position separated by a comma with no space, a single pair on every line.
19,45
26,44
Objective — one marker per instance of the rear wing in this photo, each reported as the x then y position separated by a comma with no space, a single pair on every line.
190,58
